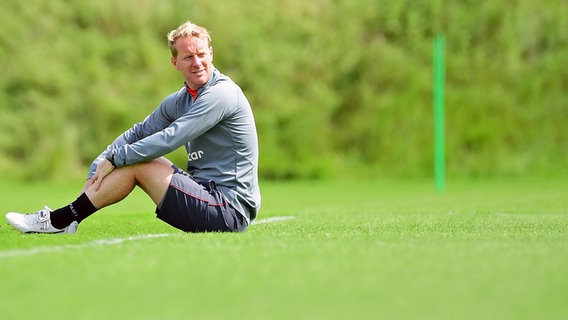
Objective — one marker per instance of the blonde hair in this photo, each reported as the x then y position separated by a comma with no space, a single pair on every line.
187,29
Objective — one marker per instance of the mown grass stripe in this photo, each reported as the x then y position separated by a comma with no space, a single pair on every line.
104,242
95,243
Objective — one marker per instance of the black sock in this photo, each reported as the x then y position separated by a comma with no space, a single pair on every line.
75,211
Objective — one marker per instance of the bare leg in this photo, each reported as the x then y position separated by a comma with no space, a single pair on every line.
153,177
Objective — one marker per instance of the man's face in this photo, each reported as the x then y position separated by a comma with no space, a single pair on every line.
194,60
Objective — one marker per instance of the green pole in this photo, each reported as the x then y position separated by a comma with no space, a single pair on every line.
439,130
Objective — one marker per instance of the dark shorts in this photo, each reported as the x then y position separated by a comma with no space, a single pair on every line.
194,207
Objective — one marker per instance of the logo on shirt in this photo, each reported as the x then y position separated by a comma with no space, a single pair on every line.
195,155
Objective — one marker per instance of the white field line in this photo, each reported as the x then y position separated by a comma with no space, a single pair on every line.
104,242
96,243
271,220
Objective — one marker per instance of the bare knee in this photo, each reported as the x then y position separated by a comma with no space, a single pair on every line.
154,177
162,160
156,168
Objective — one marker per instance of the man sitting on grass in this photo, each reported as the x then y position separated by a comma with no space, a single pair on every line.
211,116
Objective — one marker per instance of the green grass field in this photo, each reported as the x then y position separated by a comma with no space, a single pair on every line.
492,249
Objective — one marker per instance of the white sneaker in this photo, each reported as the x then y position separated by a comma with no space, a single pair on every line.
39,222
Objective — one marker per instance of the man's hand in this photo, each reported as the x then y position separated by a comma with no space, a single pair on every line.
87,185
103,169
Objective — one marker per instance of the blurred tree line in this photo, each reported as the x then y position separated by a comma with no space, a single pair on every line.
338,87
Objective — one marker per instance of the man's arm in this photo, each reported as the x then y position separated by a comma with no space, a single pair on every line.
159,119
211,107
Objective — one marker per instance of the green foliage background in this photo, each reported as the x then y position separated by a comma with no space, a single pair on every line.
339,88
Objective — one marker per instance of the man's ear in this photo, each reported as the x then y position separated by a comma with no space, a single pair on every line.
174,62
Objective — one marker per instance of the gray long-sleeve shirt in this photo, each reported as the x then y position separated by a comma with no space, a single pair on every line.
219,134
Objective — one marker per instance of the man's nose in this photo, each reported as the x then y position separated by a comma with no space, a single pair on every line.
195,61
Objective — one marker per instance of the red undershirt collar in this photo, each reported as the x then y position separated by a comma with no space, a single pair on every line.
192,92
